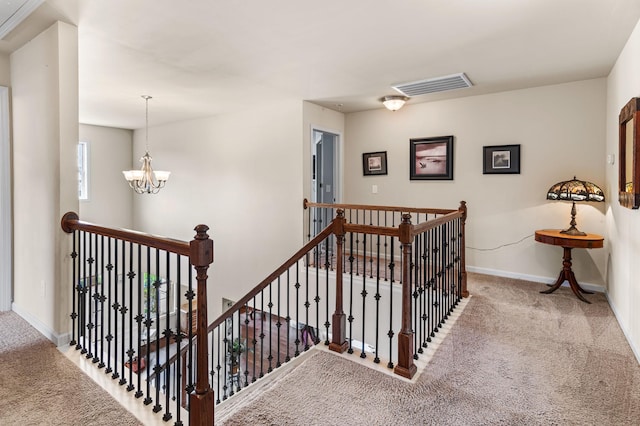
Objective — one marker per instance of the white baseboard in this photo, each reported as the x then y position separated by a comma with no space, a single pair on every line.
535,278
45,330
635,350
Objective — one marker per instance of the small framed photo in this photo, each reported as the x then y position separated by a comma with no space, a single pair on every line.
431,158
501,159
374,163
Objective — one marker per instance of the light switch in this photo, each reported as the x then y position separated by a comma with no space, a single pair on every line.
374,189
611,158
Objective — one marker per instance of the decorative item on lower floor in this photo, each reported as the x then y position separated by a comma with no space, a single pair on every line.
374,163
139,364
431,158
575,190
501,159
234,351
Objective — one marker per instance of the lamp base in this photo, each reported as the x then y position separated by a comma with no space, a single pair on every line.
574,232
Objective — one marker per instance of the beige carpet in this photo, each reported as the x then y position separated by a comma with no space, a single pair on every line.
40,386
514,357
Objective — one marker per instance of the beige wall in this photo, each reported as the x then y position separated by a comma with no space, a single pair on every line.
623,225
45,136
241,175
560,130
110,198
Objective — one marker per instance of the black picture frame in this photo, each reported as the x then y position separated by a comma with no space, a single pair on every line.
374,163
431,158
501,159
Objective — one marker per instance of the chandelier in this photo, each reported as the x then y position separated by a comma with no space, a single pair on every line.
146,180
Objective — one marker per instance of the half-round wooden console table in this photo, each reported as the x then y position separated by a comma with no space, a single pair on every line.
568,242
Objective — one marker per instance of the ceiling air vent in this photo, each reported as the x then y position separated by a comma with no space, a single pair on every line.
432,85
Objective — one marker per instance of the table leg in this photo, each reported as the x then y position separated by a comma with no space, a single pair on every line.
567,275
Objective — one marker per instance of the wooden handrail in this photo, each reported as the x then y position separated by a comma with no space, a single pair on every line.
307,204
432,223
70,222
283,268
264,283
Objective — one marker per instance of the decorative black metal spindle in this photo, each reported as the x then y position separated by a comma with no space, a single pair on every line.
420,284
391,333
364,298
219,367
306,302
110,287
89,298
101,300
247,310
254,340
116,310
131,353
167,334
350,317
370,249
327,324
74,286
190,296
123,312
433,283
288,317
178,368
270,306
226,368
139,323
148,321
278,323
156,289
86,338
262,335
297,286
376,358
316,299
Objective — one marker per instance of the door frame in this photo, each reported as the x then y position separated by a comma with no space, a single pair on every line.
6,211
338,157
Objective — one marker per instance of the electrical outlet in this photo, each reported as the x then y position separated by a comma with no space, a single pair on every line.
374,189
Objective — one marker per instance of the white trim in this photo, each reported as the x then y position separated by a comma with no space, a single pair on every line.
535,278
57,339
25,10
626,333
338,158
6,242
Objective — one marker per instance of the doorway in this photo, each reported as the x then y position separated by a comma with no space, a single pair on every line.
325,179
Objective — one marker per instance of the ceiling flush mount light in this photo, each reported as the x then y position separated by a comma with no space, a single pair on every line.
575,190
394,102
145,180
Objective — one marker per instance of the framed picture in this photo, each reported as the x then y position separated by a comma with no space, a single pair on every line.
374,163
431,158
501,159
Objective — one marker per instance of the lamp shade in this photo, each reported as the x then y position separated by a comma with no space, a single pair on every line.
394,103
575,190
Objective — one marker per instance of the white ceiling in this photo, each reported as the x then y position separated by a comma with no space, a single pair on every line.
204,57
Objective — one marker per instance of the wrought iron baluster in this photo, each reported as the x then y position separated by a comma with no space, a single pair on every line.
148,321
131,352
278,324
364,299
297,286
350,317
391,333
101,301
74,288
270,306
116,310
168,334
376,358
123,312
327,324
156,369
288,317
110,287
139,318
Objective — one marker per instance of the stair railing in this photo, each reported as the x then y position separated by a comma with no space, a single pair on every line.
133,305
320,295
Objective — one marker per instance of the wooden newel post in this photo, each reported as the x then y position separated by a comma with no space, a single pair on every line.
406,367
339,323
201,403
463,249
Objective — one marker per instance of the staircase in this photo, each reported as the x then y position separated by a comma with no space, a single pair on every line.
370,283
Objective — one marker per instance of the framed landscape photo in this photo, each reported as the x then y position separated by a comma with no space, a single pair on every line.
431,158
374,163
501,159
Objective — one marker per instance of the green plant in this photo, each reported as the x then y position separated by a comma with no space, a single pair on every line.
234,349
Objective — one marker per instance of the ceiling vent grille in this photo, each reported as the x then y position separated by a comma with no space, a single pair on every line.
433,85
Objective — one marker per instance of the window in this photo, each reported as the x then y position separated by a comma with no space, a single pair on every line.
83,171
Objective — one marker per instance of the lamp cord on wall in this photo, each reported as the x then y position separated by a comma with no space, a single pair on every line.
501,246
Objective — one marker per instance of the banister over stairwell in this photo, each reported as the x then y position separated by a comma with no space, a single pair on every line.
394,274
